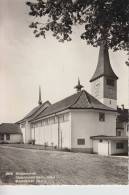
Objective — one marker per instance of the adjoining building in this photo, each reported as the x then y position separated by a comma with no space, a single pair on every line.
10,133
122,121
81,122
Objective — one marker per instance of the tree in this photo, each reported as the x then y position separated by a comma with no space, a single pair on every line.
103,20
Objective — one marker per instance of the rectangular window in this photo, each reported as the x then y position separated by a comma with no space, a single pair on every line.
110,82
81,141
101,116
1,136
118,133
119,145
7,136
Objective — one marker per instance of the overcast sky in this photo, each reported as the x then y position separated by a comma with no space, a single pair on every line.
27,62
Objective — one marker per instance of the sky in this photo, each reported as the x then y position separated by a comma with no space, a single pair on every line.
27,62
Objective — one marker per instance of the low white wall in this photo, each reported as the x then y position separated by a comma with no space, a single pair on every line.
109,147
27,132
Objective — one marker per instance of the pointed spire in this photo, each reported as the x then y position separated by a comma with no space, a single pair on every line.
103,67
40,99
78,86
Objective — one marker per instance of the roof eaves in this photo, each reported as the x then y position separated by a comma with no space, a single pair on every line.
42,117
90,108
97,77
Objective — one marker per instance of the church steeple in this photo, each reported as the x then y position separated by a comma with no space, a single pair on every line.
103,67
40,99
78,86
104,80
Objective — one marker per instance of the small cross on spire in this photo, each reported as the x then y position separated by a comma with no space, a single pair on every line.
78,86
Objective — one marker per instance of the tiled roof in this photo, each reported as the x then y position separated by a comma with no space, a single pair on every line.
80,100
35,111
59,106
103,67
10,128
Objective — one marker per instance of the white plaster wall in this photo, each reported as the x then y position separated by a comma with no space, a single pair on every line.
65,128
23,133
49,134
97,89
46,134
95,146
32,133
85,123
15,138
103,148
27,132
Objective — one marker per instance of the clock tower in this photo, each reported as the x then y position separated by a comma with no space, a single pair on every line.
104,80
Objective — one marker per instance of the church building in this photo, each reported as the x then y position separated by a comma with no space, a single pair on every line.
81,122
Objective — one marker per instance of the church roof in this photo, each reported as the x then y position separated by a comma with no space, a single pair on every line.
35,111
80,100
10,128
103,67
